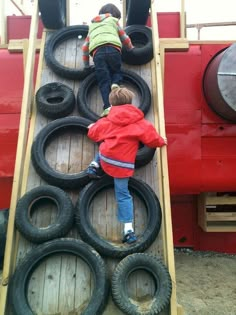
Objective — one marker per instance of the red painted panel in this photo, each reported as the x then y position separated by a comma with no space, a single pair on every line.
201,150
187,233
168,24
219,242
184,158
11,81
183,219
9,125
18,27
5,195
182,86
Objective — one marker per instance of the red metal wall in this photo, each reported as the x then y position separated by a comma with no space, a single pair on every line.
187,233
11,85
11,89
201,150
18,27
168,24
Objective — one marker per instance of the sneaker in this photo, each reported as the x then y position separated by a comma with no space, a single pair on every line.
92,172
114,86
105,112
130,237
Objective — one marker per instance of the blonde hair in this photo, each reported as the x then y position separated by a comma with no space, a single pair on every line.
120,96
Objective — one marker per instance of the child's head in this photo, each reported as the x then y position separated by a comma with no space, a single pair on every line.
112,9
120,96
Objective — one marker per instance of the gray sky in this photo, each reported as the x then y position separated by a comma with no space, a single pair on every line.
197,11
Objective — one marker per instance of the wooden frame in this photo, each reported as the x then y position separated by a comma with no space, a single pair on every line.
163,183
216,221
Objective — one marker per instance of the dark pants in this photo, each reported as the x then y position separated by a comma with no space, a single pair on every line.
107,61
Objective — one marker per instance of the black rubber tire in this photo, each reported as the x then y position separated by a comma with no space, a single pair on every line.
44,170
53,13
19,282
129,77
141,37
90,236
57,38
137,12
154,266
55,100
4,213
144,156
64,219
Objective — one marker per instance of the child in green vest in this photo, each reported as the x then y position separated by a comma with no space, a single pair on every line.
104,42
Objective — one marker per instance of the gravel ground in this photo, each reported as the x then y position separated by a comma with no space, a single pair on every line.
206,282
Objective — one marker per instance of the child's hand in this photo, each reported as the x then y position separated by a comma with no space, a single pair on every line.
165,140
130,49
89,126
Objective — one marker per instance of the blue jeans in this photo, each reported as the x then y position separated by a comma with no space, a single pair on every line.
107,61
123,198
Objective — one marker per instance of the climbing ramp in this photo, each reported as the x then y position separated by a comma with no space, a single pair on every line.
63,284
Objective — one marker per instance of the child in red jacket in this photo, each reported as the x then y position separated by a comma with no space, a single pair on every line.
104,42
120,134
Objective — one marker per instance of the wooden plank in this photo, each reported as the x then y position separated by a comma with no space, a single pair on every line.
17,45
211,42
174,44
3,24
220,200
221,228
163,175
202,211
221,216
182,20
180,310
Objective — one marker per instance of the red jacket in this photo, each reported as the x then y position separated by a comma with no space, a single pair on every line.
120,133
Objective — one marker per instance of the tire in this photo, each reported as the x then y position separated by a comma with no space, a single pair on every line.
42,167
19,282
53,13
4,213
128,77
57,38
141,37
90,236
64,219
144,156
137,12
55,100
155,267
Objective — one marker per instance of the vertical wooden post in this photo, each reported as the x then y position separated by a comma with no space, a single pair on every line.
3,28
67,12
182,20
124,13
158,101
